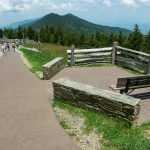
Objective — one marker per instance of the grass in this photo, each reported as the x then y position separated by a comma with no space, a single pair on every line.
52,49
48,53
37,59
117,134
64,124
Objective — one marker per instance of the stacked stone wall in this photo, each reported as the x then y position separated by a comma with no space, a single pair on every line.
52,68
111,103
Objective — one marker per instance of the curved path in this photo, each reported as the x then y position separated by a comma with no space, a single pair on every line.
27,119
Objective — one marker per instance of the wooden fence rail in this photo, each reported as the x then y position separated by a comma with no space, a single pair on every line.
116,55
89,56
131,59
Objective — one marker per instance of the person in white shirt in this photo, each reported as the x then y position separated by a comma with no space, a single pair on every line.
3,48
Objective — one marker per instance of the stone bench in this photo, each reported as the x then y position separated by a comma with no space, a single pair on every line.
111,103
52,68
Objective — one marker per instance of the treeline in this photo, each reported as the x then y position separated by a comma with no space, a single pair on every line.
135,40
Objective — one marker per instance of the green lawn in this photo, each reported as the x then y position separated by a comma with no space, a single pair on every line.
37,59
52,49
46,54
117,135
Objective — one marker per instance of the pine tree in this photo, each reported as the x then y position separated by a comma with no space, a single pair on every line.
20,33
135,39
31,33
97,39
146,45
120,38
92,41
111,39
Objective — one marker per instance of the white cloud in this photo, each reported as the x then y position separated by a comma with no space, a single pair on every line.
129,2
86,1
107,3
10,5
24,5
145,2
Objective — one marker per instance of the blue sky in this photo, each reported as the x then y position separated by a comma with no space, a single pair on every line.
122,13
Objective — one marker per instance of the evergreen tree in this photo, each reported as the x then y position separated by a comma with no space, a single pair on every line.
120,38
59,36
31,33
20,33
135,39
146,45
92,41
111,39
82,40
97,39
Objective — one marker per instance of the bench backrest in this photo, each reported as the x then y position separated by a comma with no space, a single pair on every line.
141,81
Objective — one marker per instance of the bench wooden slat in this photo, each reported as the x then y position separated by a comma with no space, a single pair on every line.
133,82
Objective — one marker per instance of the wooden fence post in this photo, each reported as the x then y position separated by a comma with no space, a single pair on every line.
115,44
148,69
72,55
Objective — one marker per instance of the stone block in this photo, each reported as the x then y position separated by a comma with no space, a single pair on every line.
111,103
52,68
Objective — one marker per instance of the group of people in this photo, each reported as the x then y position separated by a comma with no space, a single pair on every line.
6,46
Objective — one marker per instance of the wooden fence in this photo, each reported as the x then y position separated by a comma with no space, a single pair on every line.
131,59
89,56
116,55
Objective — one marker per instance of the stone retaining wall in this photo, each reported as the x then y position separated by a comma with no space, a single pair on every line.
52,68
108,102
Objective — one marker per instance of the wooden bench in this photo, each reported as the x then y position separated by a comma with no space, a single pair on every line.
131,83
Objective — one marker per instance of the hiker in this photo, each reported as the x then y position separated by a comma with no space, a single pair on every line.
13,46
3,48
7,46
17,44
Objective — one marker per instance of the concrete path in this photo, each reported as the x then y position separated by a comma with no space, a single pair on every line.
27,119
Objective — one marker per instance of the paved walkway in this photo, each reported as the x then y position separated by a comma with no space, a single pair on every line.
27,119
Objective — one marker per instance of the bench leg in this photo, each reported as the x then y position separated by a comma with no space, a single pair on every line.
122,91
131,91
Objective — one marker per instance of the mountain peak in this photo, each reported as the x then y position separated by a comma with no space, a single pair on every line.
69,14
74,24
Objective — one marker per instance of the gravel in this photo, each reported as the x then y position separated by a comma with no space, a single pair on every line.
91,141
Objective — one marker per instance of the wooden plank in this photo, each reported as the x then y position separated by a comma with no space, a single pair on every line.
132,55
121,83
135,67
133,51
91,55
134,61
113,56
92,63
91,60
84,51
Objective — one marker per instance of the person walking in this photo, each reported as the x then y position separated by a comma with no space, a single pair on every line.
17,44
13,46
8,47
3,48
